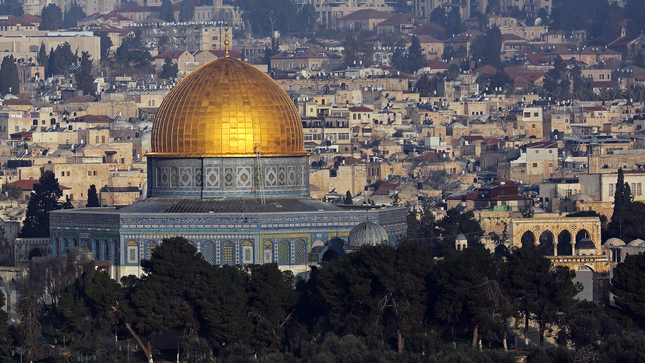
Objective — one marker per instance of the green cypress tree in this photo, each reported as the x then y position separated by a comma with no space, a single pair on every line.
623,193
92,197
45,198
186,11
83,77
9,81
52,17
169,69
165,11
415,55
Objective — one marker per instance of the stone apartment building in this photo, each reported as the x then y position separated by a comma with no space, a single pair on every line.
529,122
600,187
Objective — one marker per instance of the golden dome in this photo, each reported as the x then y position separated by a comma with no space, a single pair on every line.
227,108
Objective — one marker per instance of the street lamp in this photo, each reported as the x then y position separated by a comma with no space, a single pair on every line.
86,358
20,351
128,348
64,340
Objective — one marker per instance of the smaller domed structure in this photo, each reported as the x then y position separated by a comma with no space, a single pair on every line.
366,233
461,242
586,247
636,242
614,242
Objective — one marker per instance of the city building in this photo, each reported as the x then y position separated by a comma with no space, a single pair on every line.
228,171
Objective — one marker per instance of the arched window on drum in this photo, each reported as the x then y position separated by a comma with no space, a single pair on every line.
228,255
283,253
247,252
300,252
267,252
208,252
132,252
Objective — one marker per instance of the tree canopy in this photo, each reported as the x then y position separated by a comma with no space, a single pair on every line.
52,17
45,197
9,79
83,76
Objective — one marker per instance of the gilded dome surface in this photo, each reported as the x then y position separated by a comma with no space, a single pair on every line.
227,108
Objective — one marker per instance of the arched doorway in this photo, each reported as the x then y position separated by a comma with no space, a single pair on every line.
585,275
528,239
564,244
36,252
547,244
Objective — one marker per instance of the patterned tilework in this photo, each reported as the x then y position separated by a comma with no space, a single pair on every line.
229,176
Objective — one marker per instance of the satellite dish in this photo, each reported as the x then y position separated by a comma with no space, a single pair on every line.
538,21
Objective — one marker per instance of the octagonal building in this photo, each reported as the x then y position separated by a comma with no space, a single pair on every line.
228,172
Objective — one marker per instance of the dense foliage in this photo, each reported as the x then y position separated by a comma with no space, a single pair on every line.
9,79
45,198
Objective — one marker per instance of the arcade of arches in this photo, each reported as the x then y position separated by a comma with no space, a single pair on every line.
570,242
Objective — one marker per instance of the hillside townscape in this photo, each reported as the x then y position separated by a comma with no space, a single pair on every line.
322,180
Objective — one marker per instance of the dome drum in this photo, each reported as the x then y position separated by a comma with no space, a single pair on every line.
232,177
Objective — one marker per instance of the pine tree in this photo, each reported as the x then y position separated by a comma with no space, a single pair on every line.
169,69
92,197
186,11
165,11
45,198
83,77
348,198
52,17
9,80
106,44
415,55
73,15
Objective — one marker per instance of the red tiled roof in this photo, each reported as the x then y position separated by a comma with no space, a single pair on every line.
399,19
360,109
29,184
384,189
427,156
473,137
17,102
367,14
593,108
32,18
435,64
172,54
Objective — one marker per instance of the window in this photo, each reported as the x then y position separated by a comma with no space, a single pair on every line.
228,253
527,114
133,252
247,252
536,114
68,173
94,172
97,139
62,173
535,165
268,252
550,151
283,253
639,190
89,173
17,129
611,189
343,136
300,252
102,139
208,252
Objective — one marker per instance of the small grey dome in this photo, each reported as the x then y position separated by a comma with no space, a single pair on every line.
636,242
614,242
461,237
585,244
366,233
